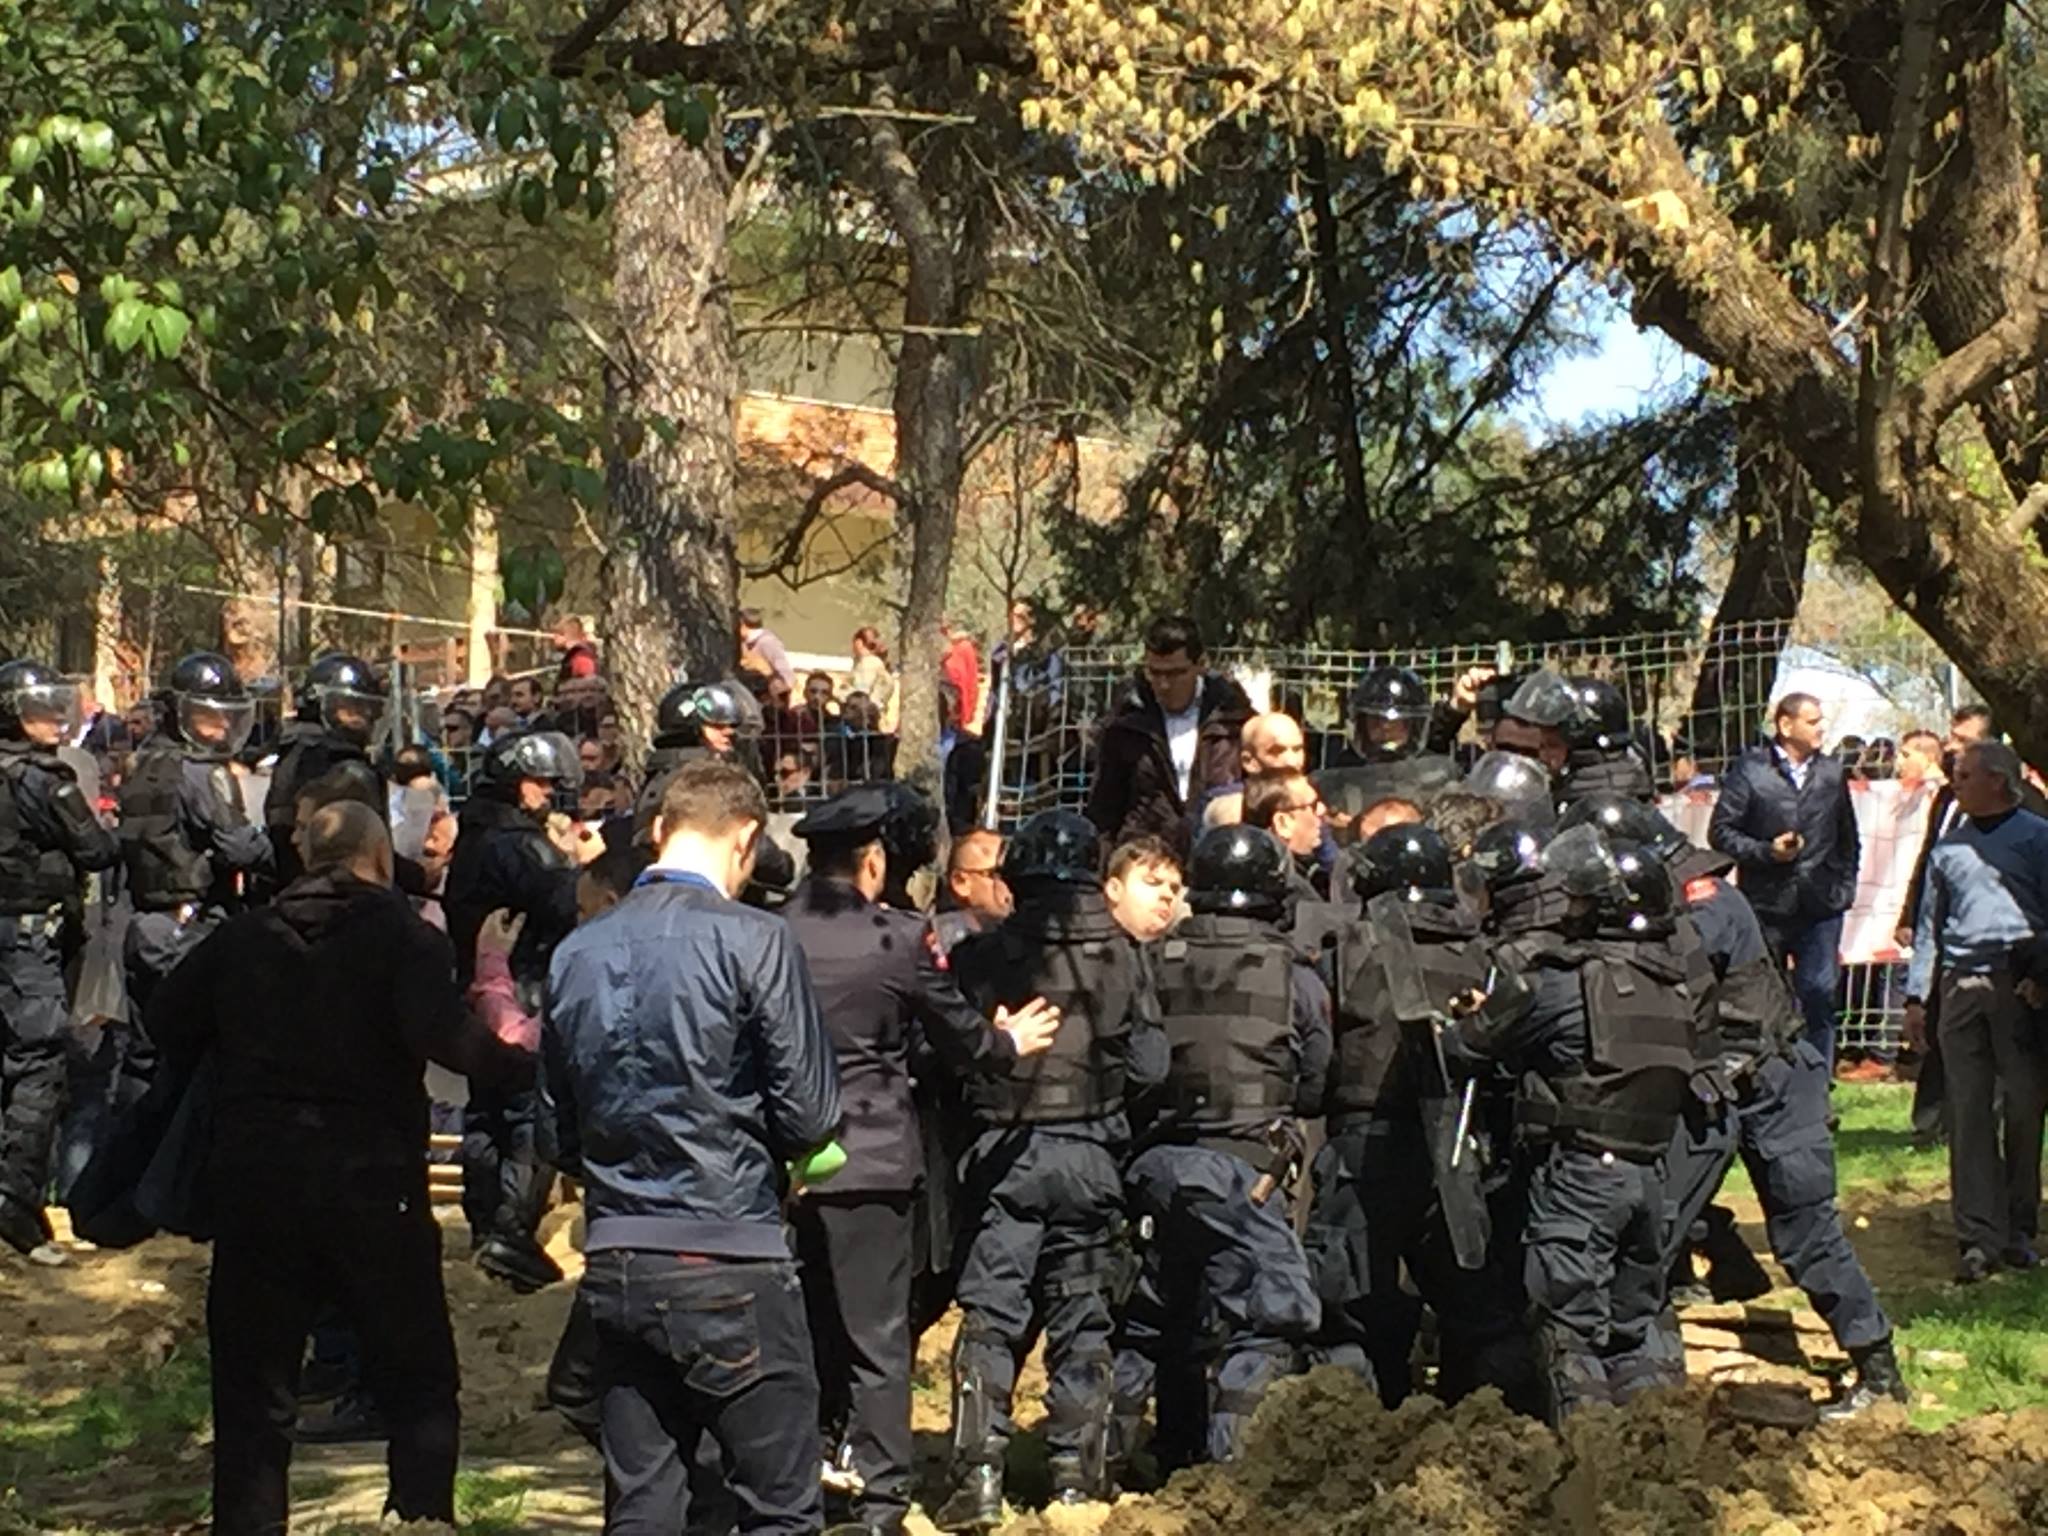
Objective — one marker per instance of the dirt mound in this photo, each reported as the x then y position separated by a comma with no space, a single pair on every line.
1323,1456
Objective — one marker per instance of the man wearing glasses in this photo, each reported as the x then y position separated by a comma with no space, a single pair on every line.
1289,807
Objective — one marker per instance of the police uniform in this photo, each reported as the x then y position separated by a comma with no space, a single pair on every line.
1248,1027
1607,1050
49,840
185,833
1042,1183
887,997
1776,1119
504,861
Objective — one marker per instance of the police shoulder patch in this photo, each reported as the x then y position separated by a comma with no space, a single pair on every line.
1701,888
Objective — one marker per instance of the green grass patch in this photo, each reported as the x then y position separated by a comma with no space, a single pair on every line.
1874,1148
490,1504
1975,1349
141,1414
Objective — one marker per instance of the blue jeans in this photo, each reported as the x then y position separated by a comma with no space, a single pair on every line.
1814,951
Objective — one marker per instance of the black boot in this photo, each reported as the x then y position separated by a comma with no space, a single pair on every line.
24,1227
976,1503
1878,1379
518,1261
1072,1483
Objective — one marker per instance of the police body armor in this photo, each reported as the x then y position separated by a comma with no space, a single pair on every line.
164,870
1081,963
1226,994
1642,1048
1592,772
33,879
1353,787
1373,1067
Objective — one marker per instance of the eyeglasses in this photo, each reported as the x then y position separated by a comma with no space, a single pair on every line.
1306,805
989,873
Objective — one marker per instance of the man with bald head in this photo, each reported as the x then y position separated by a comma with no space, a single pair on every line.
317,1015
1269,744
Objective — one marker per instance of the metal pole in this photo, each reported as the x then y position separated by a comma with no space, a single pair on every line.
991,809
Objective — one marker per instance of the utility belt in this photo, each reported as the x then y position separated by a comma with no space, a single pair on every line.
1051,1104
1542,1117
1247,1095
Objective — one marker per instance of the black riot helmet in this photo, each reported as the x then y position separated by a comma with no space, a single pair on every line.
1545,700
1642,898
1054,845
1624,818
686,709
343,693
211,711
1409,859
33,694
1238,870
1602,721
519,755
1397,699
1581,861
1520,784
1506,852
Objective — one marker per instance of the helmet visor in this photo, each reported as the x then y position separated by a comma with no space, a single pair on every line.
351,712
1518,783
47,704
217,726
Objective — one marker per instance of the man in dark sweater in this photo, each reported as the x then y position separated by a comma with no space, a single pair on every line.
319,1014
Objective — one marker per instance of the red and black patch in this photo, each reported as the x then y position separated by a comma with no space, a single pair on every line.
1701,888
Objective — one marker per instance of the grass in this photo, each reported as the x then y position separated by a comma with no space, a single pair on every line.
140,1415
1874,1146
489,1505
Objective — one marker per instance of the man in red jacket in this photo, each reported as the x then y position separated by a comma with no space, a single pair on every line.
1173,736
961,666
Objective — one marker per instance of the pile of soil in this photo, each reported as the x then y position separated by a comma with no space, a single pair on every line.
1323,1456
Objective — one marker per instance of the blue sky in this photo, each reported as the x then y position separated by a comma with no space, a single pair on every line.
1625,366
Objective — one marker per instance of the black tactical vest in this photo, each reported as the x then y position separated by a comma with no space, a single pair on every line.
1642,1046
1377,1065
32,878
1079,961
1756,1012
1226,996
164,870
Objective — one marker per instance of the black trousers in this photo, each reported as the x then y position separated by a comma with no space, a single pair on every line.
689,1347
276,1262
35,1019
855,1251
504,1182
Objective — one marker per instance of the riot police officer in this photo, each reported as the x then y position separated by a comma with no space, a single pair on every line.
1043,1236
1607,1051
340,704
715,720
50,839
185,834
1602,757
505,861
1248,1028
1776,1113
1390,754
1413,955
886,996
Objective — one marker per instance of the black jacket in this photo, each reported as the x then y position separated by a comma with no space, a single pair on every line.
1135,791
503,862
683,1062
1757,802
887,996
320,1012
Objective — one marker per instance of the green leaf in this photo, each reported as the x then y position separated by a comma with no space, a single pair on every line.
639,97
168,328
533,201
688,117
595,196
363,500
664,427
369,426
502,415
324,511
585,484
438,13
23,151
74,403
28,325
568,187
10,288
382,184
95,146
511,126
169,289
125,325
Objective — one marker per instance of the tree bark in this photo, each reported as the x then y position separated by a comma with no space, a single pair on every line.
670,570
1343,393
929,403
1774,529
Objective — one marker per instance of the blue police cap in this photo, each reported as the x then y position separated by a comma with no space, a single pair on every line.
852,815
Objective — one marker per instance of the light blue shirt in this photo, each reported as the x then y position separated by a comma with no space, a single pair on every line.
1989,887
1795,771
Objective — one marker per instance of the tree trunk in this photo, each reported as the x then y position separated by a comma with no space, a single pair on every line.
670,572
929,401
1343,392
1774,527
480,607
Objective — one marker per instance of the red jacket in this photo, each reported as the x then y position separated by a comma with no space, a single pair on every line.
962,668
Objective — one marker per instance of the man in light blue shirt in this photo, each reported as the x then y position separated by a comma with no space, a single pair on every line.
1984,909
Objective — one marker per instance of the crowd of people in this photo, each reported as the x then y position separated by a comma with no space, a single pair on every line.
1245,1069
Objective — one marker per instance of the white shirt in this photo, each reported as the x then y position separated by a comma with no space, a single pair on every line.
1181,731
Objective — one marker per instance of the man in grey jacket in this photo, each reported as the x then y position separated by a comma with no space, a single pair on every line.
684,1064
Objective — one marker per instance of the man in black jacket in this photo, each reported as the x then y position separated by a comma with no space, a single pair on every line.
340,703
505,861
320,1013
1174,735
886,996
1785,817
684,1063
